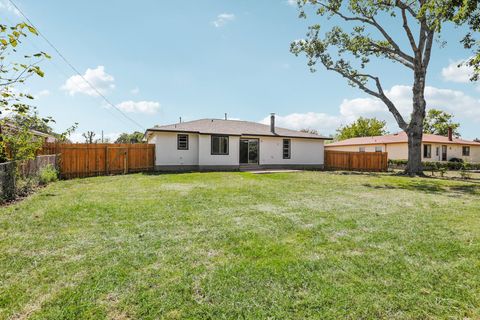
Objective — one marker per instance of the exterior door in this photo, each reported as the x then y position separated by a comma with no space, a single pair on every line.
248,151
444,153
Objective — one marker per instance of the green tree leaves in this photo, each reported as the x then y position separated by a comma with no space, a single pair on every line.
363,127
135,137
17,140
438,122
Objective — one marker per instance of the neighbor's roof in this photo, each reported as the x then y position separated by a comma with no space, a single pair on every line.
34,132
400,137
233,128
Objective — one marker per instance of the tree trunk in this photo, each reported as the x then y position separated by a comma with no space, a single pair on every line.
414,166
415,128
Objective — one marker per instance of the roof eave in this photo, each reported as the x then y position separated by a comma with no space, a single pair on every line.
233,134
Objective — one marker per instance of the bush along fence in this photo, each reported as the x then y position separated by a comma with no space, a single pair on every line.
434,166
19,178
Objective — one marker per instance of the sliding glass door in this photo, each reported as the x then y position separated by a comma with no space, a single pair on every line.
248,151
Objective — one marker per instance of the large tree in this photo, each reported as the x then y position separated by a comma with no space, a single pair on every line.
363,127
439,122
364,30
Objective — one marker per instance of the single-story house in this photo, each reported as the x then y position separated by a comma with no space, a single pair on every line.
10,128
434,147
216,144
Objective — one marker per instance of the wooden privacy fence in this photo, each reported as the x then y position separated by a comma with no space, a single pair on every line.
356,161
86,160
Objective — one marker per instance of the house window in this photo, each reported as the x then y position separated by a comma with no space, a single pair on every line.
182,142
219,145
427,151
378,149
286,148
361,149
466,151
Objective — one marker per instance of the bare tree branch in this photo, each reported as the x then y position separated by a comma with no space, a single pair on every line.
428,49
380,94
371,21
408,31
392,54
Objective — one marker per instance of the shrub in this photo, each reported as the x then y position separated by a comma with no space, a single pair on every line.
25,186
431,165
47,174
464,173
397,163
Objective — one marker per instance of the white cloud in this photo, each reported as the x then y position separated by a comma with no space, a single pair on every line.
223,19
454,73
461,105
322,122
5,5
351,109
42,93
135,91
148,107
456,102
101,80
292,2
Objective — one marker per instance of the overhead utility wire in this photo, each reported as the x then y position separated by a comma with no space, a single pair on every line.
34,45
75,69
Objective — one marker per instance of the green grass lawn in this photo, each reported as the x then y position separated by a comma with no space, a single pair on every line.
238,245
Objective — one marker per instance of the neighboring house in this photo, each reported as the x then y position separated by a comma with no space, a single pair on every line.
48,138
11,128
434,147
215,144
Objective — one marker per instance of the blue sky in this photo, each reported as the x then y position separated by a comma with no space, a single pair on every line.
159,60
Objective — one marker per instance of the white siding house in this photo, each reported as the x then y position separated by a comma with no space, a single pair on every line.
214,144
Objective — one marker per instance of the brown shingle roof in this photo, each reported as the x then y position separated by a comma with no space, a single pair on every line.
400,137
233,127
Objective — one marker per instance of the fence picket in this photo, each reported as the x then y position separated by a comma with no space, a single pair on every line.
356,161
85,160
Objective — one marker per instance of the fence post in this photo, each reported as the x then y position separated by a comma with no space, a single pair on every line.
106,160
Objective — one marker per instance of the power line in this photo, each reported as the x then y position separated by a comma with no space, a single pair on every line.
59,69
75,69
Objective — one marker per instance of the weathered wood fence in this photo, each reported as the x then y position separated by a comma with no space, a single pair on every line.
356,161
11,172
86,160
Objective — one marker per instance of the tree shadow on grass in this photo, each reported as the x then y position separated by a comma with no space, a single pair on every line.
431,187
359,173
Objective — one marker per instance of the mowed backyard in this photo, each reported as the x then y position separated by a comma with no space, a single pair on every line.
238,245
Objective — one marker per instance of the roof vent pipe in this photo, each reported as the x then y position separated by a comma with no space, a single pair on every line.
225,116
272,122
450,134
180,119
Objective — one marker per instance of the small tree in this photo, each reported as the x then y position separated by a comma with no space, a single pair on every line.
439,122
362,34
17,142
363,127
89,137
